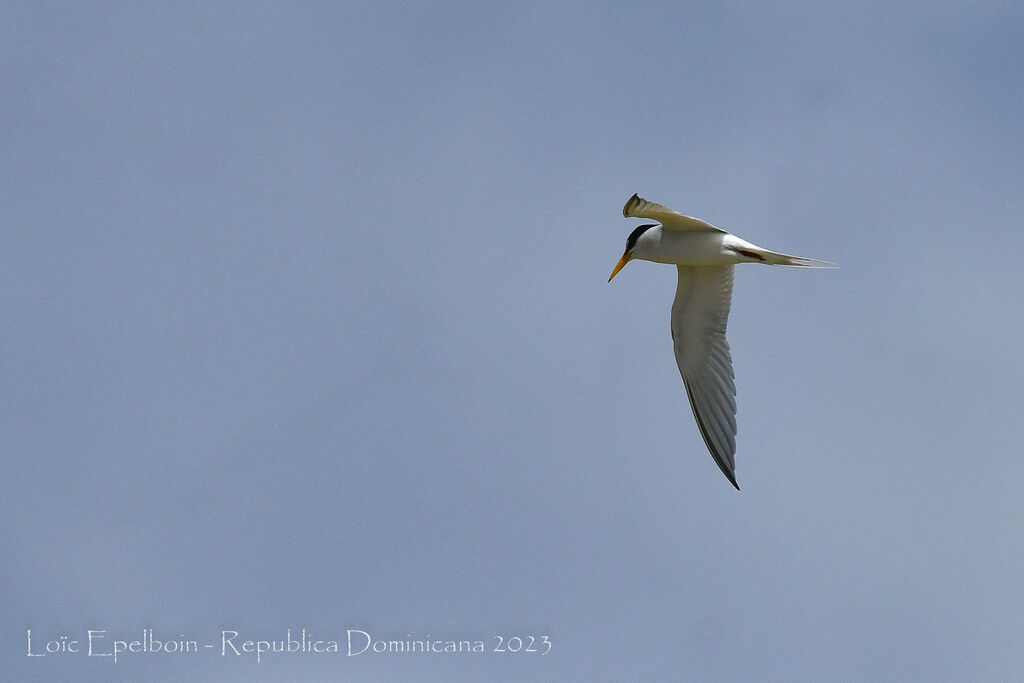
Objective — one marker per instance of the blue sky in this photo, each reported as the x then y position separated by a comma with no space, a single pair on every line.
306,325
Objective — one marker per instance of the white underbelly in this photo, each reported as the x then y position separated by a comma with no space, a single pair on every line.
695,248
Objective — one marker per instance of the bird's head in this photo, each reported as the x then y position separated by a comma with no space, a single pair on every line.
632,242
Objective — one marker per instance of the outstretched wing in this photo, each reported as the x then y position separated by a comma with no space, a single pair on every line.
638,207
700,313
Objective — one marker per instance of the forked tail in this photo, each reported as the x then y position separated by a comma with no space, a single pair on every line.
777,259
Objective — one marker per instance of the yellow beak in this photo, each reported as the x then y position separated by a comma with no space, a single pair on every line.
622,262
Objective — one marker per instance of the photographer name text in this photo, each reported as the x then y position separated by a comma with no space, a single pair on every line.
231,643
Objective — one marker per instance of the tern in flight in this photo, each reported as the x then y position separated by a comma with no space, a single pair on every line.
704,256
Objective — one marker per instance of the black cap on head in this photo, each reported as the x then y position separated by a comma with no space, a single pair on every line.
635,235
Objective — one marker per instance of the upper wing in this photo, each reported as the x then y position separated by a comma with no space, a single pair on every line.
700,313
638,207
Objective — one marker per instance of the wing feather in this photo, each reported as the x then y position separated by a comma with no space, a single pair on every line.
638,207
700,314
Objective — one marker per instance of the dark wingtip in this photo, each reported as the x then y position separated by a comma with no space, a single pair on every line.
730,476
707,440
629,203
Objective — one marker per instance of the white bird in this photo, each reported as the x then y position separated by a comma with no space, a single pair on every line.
704,256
